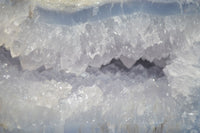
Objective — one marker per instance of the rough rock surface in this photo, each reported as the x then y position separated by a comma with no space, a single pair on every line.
115,67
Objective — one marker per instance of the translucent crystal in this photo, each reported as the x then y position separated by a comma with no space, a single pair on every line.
99,66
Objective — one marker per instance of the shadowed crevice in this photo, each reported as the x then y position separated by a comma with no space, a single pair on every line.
116,66
6,57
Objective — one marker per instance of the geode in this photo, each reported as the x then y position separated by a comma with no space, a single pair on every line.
97,66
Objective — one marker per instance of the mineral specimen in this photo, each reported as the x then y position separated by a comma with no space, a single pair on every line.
92,66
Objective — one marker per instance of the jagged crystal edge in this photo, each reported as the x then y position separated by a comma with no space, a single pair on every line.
94,43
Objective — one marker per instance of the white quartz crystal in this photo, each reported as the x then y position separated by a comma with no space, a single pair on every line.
99,66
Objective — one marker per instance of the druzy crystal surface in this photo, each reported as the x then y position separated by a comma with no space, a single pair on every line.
89,66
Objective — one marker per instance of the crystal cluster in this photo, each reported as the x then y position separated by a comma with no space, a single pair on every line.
112,67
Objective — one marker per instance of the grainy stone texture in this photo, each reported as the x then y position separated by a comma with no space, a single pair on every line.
111,68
